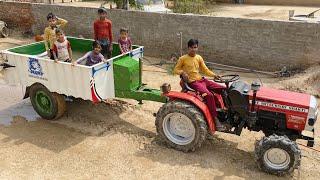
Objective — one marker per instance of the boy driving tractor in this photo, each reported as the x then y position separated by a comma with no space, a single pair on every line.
189,67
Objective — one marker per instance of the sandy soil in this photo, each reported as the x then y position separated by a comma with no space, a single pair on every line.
308,81
259,11
231,10
119,141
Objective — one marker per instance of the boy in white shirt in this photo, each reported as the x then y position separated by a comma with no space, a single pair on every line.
62,48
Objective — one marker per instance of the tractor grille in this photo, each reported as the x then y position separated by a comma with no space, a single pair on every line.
271,120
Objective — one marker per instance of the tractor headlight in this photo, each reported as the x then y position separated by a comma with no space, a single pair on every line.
311,121
313,111
165,88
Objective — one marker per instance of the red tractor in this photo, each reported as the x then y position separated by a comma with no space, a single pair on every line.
185,121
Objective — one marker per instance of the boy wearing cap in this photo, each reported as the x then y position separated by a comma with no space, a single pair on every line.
103,32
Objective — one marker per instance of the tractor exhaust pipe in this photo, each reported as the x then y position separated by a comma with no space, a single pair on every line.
255,86
252,119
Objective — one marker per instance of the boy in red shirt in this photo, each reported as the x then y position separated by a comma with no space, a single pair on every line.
103,32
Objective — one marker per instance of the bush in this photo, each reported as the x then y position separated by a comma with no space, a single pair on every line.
121,4
191,6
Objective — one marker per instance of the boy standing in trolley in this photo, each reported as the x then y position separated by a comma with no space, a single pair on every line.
50,32
103,32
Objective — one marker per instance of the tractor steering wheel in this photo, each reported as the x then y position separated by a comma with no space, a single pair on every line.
227,78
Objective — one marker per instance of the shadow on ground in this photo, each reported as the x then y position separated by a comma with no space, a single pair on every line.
85,119
82,119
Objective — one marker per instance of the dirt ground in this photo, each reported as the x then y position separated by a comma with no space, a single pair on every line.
119,141
231,10
259,11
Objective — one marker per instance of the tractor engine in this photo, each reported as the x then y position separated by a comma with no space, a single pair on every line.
238,96
241,113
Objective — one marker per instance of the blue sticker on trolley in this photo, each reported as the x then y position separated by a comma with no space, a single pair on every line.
35,67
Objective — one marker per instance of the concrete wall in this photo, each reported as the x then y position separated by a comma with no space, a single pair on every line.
259,44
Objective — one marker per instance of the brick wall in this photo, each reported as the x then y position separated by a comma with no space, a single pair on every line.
259,44
17,15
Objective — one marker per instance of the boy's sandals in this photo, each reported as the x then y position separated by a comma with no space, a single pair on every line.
221,127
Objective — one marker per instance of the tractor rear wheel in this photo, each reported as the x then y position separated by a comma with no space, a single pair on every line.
48,105
277,155
181,125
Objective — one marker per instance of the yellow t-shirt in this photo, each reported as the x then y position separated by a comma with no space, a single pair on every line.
193,66
50,34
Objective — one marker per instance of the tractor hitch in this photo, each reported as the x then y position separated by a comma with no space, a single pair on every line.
310,140
309,136
6,65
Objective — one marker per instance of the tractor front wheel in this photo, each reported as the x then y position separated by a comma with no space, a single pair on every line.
48,105
181,125
277,155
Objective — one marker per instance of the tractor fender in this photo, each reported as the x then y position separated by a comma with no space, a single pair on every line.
172,95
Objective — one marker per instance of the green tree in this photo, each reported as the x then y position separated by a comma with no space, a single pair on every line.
190,6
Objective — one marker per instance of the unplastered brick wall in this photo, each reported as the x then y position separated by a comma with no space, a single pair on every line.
17,15
258,44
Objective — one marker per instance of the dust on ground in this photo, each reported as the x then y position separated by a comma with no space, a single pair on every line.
119,141
305,82
269,12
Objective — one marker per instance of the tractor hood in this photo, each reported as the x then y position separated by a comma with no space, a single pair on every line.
282,96
301,109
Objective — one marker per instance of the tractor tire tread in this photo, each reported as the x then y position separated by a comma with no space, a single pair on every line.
61,104
281,142
189,110
33,89
58,102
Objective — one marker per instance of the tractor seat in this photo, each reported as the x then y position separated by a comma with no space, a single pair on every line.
186,87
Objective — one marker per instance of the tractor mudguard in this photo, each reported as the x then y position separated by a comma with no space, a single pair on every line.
172,95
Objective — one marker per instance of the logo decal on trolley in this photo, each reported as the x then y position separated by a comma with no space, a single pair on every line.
35,69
